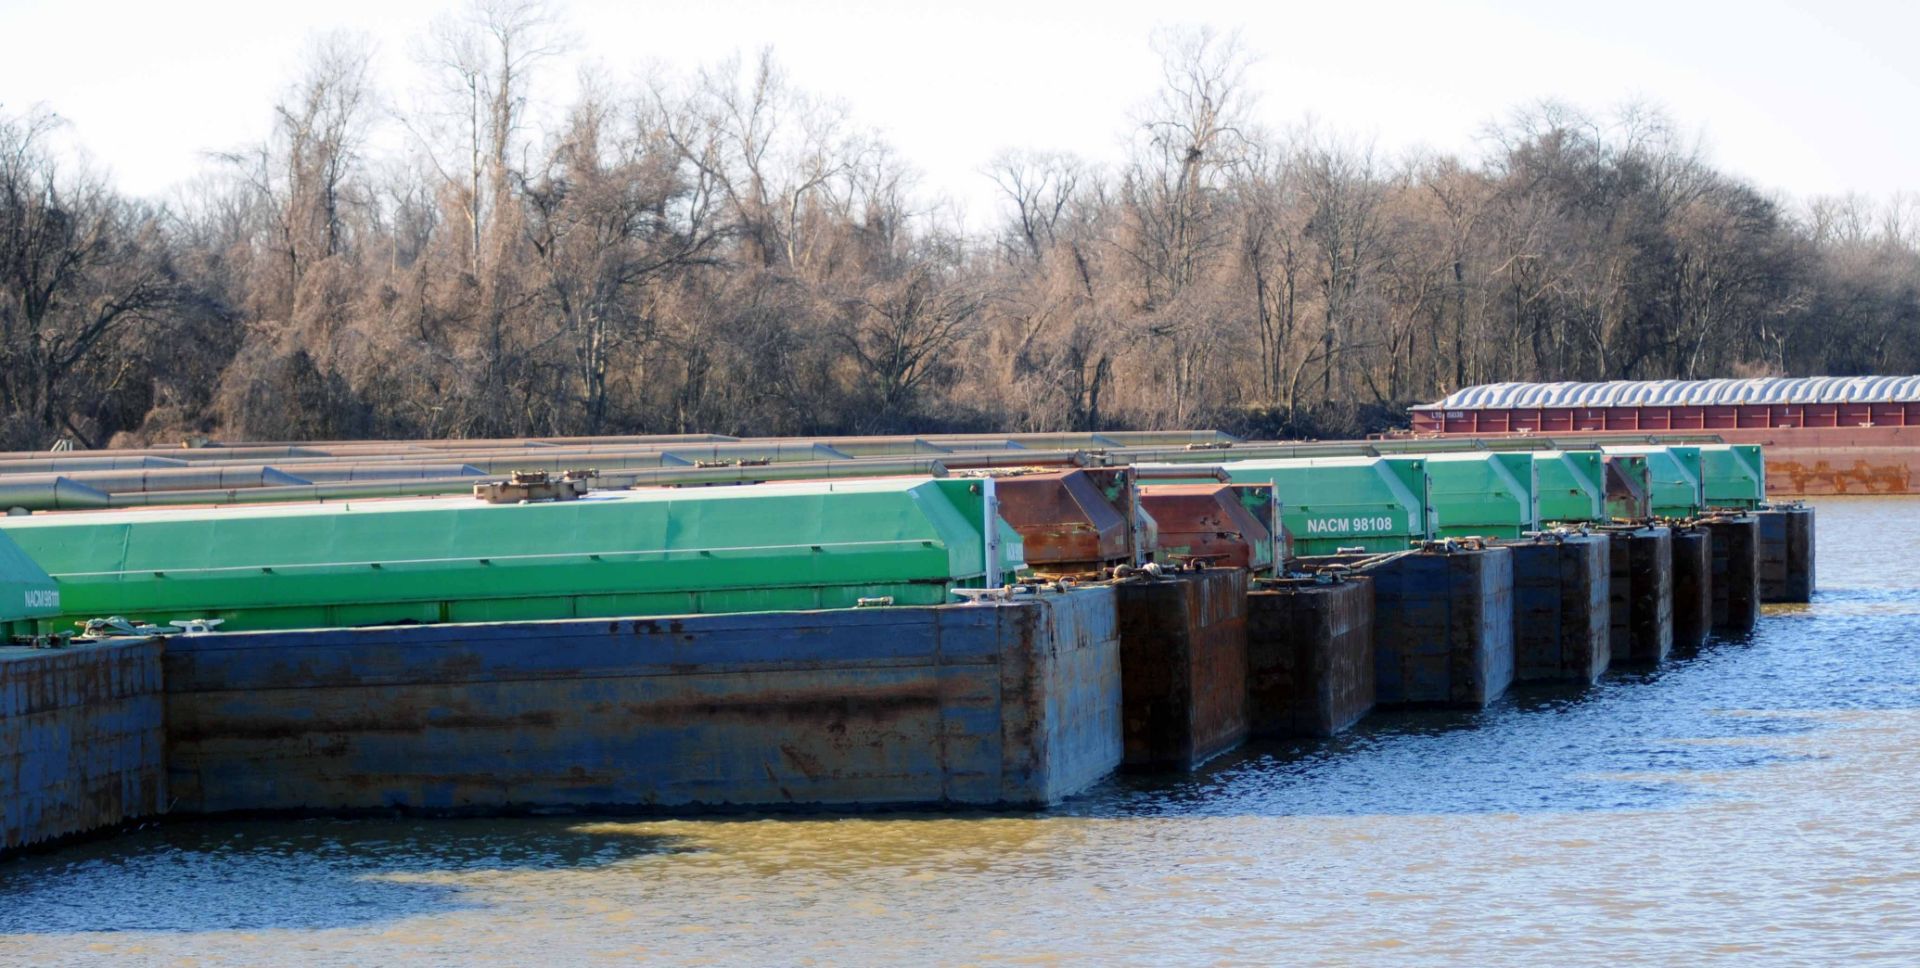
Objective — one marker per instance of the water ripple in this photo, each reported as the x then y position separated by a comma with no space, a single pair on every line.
1755,801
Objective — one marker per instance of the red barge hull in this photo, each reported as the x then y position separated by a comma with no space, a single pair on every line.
1835,448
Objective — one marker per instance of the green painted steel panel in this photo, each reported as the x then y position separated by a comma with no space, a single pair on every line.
1490,495
649,552
1677,492
1734,475
1573,485
27,593
1328,503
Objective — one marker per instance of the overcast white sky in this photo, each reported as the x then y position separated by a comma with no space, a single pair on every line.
1801,97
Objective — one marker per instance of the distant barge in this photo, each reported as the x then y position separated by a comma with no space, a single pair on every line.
1824,435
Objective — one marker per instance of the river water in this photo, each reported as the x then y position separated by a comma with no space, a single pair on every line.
1758,801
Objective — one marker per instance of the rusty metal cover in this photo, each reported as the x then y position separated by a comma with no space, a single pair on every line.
533,486
1208,520
1068,519
1629,488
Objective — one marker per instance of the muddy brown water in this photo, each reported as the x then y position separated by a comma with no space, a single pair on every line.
1756,801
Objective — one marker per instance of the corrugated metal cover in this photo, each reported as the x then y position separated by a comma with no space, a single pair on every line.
1661,393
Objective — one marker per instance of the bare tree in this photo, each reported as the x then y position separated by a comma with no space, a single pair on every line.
902,332
611,215
770,149
1343,192
1192,134
78,268
302,174
720,250
1040,188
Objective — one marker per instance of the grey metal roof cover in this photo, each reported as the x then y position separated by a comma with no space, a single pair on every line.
1661,393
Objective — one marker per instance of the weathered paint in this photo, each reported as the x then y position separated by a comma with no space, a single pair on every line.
1210,521
1310,657
1629,487
1844,460
1183,661
1692,549
1786,554
1561,614
1676,472
1010,705
1070,521
1736,571
1640,594
1878,458
1331,503
81,741
1443,627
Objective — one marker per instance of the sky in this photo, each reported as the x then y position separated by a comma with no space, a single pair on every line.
1801,98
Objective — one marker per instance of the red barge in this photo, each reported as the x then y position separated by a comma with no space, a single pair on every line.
1823,435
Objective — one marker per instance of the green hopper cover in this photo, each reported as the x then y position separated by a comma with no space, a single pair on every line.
1573,485
1677,492
1328,503
26,592
1492,495
1734,475
644,552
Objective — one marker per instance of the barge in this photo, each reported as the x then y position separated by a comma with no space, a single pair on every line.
662,636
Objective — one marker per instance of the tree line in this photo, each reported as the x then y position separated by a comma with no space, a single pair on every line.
722,252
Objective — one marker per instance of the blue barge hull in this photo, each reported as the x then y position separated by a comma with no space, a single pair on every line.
81,744
1012,705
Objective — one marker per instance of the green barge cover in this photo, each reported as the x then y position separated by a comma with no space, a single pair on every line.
1573,485
1733,475
27,593
1329,503
1489,495
1676,470
619,553
1480,492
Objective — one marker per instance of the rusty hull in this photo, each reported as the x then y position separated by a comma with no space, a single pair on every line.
1640,596
1801,461
1561,617
1443,626
1183,667
1786,554
80,740
1736,571
1012,705
1692,585
1310,657
1836,460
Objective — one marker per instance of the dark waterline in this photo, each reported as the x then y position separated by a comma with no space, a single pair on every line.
1753,800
